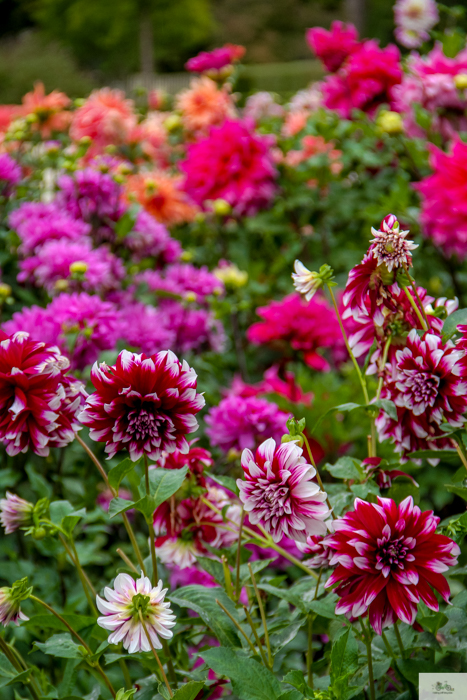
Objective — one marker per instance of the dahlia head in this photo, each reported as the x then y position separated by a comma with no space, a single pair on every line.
390,246
132,610
15,513
144,404
10,599
278,492
388,557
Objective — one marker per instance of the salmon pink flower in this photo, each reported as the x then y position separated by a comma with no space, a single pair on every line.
106,118
278,492
204,105
130,604
144,404
388,558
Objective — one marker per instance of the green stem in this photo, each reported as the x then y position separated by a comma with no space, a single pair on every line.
250,643
152,536
9,653
126,675
82,576
399,639
417,296
416,309
127,561
75,634
239,548
383,365
255,634
309,656
393,656
367,638
318,478
263,616
461,453
156,656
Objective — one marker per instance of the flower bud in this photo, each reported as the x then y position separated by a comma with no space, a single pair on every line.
231,275
221,207
460,81
10,599
390,122
79,267
173,122
5,291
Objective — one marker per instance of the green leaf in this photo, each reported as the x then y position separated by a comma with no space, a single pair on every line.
343,408
163,483
291,695
123,694
50,622
60,645
279,640
226,481
188,691
250,679
119,505
325,607
413,667
446,455
203,601
346,468
213,567
297,679
146,506
458,490
387,406
344,661
117,473
455,319
65,516
432,623
40,485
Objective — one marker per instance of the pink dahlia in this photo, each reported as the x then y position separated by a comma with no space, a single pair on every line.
37,223
182,279
34,411
262,105
428,388
444,223
365,81
304,327
106,118
232,163
317,554
389,557
212,61
10,174
278,492
123,607
145,328
334,46
15,513
196,330
414,19
150,238
274,382
237,422
78,263
94,197
144,404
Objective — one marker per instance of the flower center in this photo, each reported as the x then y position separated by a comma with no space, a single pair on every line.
392,552
140,602
423,386
274,499
142,424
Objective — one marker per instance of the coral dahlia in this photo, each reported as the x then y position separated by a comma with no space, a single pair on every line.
389,557
144,404
278,492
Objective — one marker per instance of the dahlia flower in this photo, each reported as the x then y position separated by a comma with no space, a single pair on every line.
54,262
183,533
334,46
317,553
15,512
197,459
414,19
106,118
49,110
10,174
134,609
94,197
262,105
365,81
37,223
390,246
32,396
431,82
444,224
195,330
369,288
183,278
10,599
144,404
212,61
237,422
145,328
428,388
162,196
305,327
388,557
278,492
232,163
149,238
204,105
284,385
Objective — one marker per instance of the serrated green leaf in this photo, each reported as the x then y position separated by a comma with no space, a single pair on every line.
455,319
387,406
203,601
458,490
119,505
146,506
346,468
60,645
118,473
344,655
50,622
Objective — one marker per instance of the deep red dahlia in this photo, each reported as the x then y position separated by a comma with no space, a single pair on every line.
36,408
278,492
144,404
389,557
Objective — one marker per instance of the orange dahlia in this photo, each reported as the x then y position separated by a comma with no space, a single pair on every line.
203,105
162,196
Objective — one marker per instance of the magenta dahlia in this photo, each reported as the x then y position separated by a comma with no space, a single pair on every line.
38,403
233,163
389,557
278,492
37,223
334,46
144,404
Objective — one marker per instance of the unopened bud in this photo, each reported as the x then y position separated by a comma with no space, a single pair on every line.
173,122
390,122
460,81
79,267
61,285
221,207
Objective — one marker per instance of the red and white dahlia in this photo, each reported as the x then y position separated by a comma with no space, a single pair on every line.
37,410
389,557
316,551
390,246
144,404
278,492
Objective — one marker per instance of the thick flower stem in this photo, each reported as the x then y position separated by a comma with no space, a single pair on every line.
416,309
461,453
156,656
309,656
367,638
318,478
387,345
126,522
152,536
242,632
417,296
75,634
263,616
399,639
255,634
239,549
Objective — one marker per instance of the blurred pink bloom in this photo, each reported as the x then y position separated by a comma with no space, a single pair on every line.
37,223
10,174
150,238
215,60
105,118
414,19
181,278
334,46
